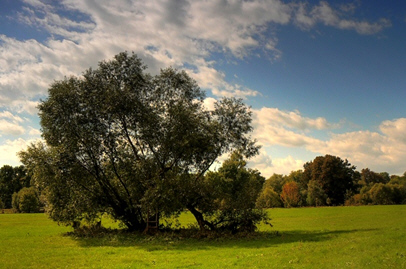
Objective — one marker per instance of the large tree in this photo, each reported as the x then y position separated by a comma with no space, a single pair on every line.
334,175
121,141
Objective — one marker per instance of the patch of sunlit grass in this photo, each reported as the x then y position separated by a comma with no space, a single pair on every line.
330,237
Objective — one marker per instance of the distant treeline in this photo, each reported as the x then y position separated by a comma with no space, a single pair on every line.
16,191
326,181
329,180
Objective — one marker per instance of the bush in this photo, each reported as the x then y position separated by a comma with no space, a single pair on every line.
26,201
1,204
268,198
382,194
233,191
357,199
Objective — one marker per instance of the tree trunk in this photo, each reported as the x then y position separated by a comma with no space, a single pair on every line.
200,219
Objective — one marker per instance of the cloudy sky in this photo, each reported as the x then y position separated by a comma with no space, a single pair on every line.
322,77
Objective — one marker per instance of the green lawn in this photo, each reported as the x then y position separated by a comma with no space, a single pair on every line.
336,237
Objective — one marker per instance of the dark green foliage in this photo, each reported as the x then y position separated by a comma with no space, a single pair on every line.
381,194
398,193
315,194
268,198
273,188
121,141
26,200
379,189
334,175
276,182
12,179
387,194
369,177
233,190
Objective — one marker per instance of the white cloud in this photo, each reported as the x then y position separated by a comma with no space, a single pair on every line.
209,103
270,135
10,124
271,46
292,119
286,165
183,34
365,27
34,132
395,129
379,152
302,19
10,128
44,16
209,78
324,13
385,151
286,128
268,165
9,150
10,116
30,68
233,24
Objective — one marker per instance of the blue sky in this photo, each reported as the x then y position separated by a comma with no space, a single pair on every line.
322,77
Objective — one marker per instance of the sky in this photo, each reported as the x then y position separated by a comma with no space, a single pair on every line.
321,77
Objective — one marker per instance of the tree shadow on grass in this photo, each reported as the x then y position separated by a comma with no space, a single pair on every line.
178,241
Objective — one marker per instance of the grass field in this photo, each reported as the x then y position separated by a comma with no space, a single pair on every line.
336,237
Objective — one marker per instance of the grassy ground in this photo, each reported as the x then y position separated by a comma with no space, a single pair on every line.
337,237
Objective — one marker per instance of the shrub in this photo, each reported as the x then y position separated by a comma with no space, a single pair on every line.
232,192
26,200
357,199
268,198
381,194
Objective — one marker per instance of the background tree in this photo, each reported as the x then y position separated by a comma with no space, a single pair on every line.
399,186
315,194
290,195
369,177
268,198
297,176
12,179
26,200
121,141
234,190
381,194
333,174
401,180
276,182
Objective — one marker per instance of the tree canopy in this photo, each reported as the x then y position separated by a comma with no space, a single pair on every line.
12,179
334,175
122,141
233,191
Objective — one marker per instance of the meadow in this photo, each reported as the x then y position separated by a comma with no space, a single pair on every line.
328,237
